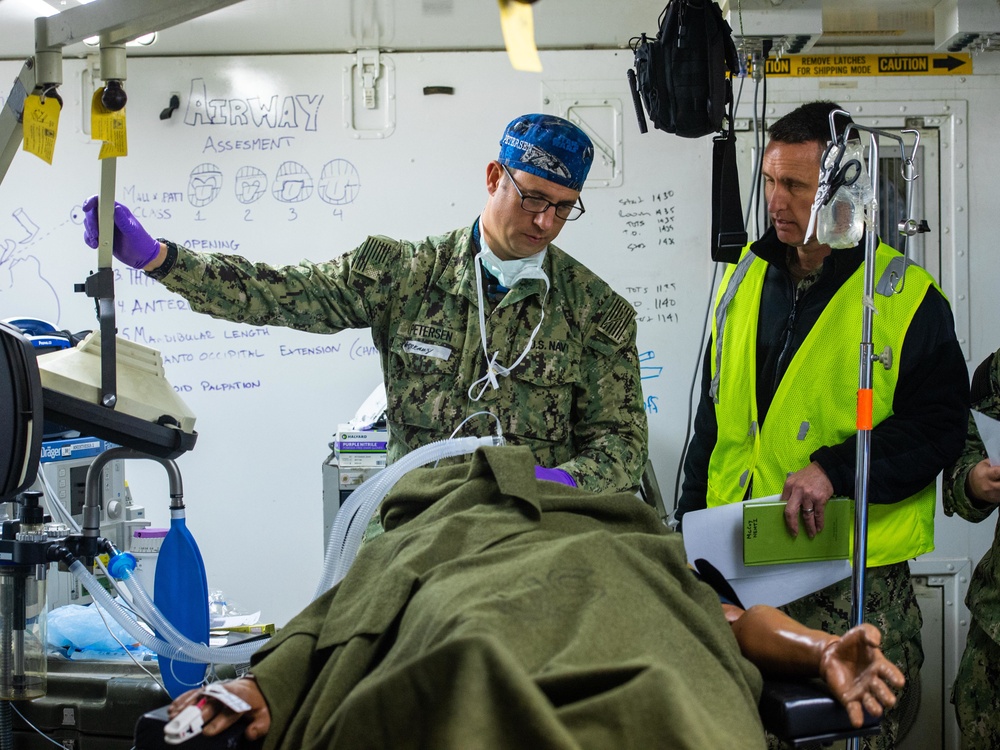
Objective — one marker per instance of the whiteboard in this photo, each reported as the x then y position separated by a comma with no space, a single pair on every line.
277,159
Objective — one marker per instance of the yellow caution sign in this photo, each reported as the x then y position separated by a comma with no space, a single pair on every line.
816,66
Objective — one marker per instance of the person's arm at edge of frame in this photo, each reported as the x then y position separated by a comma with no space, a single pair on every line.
927,429
852,666
971,485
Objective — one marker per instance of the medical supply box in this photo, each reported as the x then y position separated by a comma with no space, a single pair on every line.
360,449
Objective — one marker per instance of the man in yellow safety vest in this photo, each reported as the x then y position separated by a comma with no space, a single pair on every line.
778,408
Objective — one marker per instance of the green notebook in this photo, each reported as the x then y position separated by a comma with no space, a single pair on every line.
767,541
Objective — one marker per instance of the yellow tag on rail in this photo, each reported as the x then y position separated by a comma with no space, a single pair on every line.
41,124
109,127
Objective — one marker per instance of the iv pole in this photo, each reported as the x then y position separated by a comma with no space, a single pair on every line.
907,228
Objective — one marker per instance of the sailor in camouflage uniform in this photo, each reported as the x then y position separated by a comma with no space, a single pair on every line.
972,490
488,317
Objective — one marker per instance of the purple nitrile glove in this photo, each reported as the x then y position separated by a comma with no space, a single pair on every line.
132,245
554,475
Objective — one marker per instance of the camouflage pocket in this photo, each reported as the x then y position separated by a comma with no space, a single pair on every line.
423,384
542,406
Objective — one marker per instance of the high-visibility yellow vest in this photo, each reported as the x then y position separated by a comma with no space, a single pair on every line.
815,403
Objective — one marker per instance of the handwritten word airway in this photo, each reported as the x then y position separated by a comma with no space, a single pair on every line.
292,111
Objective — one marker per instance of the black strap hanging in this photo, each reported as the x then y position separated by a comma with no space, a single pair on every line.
729,235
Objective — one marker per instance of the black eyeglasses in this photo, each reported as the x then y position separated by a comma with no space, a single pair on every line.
534,204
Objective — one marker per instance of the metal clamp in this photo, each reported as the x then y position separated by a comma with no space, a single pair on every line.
885,358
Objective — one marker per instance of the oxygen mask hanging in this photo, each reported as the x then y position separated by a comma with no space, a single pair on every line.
845,190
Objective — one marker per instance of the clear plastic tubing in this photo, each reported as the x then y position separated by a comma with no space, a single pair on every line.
151,614
183,650
352,518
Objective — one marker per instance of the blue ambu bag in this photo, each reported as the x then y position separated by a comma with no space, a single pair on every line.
180,592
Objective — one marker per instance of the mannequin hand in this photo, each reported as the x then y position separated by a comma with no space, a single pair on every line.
858,674
132,245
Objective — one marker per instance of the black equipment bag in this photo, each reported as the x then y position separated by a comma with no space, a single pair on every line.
680,78
681,74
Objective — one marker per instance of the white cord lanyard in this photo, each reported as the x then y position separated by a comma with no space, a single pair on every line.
494,368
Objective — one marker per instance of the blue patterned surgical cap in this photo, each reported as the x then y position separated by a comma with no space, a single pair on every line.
548,146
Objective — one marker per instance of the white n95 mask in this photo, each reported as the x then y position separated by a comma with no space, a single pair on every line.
509,272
